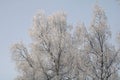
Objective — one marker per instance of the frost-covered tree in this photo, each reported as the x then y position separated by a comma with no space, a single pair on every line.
50,55
100,59
59,53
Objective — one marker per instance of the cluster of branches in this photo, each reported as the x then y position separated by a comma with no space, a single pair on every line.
60,52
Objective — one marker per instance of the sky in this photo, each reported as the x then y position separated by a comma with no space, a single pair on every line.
16,18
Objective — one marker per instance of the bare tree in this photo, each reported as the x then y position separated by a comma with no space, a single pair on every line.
58,54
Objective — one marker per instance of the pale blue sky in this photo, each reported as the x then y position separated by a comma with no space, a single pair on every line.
16,18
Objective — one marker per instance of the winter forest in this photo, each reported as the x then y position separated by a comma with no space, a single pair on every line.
61,51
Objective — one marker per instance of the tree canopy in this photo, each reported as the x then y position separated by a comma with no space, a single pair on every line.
59,52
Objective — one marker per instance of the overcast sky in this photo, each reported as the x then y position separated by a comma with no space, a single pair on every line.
16,18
